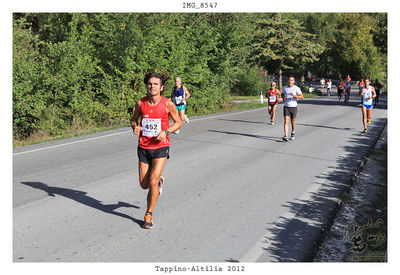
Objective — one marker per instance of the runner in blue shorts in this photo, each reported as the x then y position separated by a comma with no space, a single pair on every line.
179,96
367,94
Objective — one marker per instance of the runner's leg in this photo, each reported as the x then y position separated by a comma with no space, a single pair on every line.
286,125
293,120
273,113
144,174
157,166
369,114
182,115
364,118
270,111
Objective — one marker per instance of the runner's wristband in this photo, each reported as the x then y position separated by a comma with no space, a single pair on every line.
166,132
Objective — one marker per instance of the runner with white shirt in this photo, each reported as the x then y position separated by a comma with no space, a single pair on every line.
367,95
328,87
291,93
322,82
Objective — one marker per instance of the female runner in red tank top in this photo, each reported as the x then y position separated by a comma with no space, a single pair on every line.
272,95
153,148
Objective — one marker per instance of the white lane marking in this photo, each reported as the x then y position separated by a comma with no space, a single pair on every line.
267,239
73,142
88,139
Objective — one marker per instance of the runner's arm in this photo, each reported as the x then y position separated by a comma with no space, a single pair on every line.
173,112
280,94
186,92
300,96
135,119
374,93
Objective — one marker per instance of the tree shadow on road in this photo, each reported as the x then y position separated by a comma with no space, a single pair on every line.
83,198
297,234
247,135
244,121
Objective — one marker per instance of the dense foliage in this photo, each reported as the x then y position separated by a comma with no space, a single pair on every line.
81,70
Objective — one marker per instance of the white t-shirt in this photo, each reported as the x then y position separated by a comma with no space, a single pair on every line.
366,96
329,84
290,100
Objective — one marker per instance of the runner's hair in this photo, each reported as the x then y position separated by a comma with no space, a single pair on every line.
162,76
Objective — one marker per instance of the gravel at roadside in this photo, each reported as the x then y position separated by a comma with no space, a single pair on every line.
359,232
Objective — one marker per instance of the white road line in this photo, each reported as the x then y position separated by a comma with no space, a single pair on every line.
130,131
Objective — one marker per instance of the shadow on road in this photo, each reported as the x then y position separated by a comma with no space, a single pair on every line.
295,237
244,121
324,126
247,135
83,198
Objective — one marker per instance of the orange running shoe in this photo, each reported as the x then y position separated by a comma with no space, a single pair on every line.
148,220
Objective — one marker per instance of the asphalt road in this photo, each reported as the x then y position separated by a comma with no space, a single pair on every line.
234,190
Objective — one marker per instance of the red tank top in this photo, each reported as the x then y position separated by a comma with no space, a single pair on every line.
273,93
152,118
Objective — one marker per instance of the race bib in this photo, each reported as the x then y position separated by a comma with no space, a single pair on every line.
367,100
178,100
272,98
151,127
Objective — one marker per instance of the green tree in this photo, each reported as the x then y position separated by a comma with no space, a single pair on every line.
355,52
282,43
29,97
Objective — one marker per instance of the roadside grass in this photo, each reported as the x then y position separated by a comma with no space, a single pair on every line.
41,137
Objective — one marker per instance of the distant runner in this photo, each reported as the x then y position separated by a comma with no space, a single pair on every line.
377,87
328,87
179,96
340,89
367,94
322,82
347,90
291,93
154,142
273,95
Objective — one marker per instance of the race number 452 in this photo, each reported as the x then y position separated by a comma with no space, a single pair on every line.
151,127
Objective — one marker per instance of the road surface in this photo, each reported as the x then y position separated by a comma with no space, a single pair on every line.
234,191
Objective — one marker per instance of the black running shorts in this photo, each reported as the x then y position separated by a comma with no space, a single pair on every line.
146,155
290,111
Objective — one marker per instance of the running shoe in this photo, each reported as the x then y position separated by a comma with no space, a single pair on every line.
292,136
187,119
160,184
272,123
285,138
148,224
369,121
365,131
